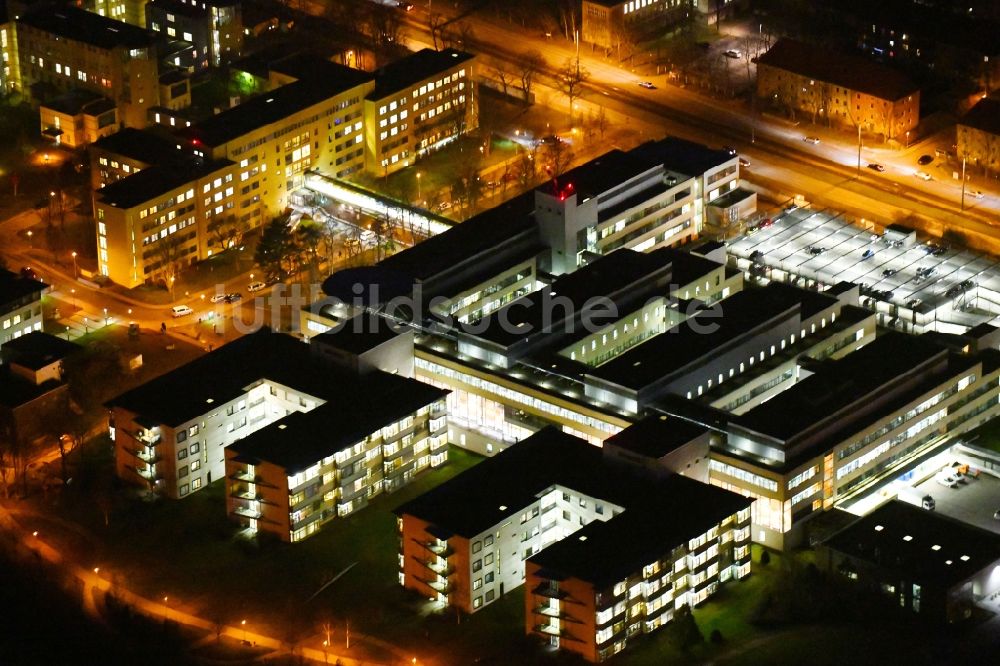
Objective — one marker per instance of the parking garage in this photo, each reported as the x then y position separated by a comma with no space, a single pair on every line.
913,286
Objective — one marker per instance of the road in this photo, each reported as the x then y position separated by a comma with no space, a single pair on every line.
777,146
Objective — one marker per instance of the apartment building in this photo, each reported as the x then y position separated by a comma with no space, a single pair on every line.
838,88
610,24
212,30
154,222
419,103
10,71
978,135
652,196
605,549
132,12
78,118
855,423
61,48
302,424
126,152
20,305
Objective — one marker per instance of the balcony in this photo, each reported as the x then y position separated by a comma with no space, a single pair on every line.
442,587
445,570
439,550
246,512
548,611
544,590
147,438
548,629
148,473
254,403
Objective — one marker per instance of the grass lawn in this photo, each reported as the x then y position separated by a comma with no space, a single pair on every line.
187,550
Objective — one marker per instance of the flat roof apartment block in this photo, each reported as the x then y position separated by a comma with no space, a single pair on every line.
606,549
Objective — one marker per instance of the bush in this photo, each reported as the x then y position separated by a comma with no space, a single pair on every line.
716,637
765,558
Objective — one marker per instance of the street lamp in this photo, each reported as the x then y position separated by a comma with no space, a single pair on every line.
105,316
418,186
244,624
73,296
907,138
30,243
75,273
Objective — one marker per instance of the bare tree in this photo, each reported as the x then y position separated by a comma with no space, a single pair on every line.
567,16
558,156
499,68
570,80
436,24
529,64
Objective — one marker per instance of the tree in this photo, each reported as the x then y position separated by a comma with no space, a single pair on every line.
436,24
570,80
308,237
601,121
226,231
94,375
498,67
168,254
558,155
277,248
683,632
529,64
567,16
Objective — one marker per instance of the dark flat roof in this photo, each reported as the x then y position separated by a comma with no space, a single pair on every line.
478,235
686,343
359,334
985,116
683,156
87,27
155,181
37,349
660,513
271,107
915,558
656,435
356,407
221,375
14,286
145,145
850,71
310,65
16,391
609,278
406,71
839,383
80,101
175,6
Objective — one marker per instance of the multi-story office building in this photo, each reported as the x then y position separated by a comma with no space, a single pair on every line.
152,223
844,89
20,305
61,48
649,197
610,24
853,424
606,549
283,401
130,11
419,103
212,28
978,135
10,71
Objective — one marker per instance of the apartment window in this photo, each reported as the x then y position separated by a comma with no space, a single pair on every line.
488,559
489,595
195,465
181,436
477,565
182,472
193,430
477,546
476,584
477,602
194,448
183,489
196,484
488,578
182,454
488,541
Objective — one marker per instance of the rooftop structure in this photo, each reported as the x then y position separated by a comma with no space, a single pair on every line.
79,25
400,75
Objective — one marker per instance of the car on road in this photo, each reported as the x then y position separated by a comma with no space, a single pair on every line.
744,162
734,53
444,205
816,250
234,297
180,311
875,166
811,139
977,194
648,85
256,286
934,249
868,254
924,160
218,298
946,479
922,175
889,272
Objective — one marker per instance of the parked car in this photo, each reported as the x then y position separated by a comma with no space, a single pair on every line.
816,250
648,85
889,272
811,139
180,311
923,175
977,194
744,162
218,298
928,503
234,297
256,286
924,160
875,166
868,254
444,205
947,480
734,53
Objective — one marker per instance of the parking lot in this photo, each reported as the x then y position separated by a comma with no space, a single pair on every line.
917,287
973,502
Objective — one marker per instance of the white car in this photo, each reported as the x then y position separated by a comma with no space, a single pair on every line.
218,298
922,175
978,195
180,311
811,139
946,480
256,286
734,53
